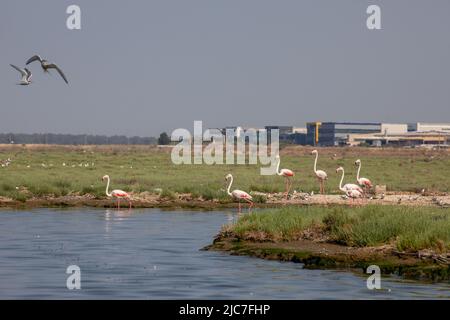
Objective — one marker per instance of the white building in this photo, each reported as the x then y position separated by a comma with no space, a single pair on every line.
394,128
428,127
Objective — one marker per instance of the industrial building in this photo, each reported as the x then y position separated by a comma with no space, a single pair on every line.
428,127
285,132
362,133
337,133
414,138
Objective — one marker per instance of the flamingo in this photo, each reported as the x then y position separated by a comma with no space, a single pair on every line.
287,174
118,194
26,75
351,190
47,65
320,174
238,194
364,182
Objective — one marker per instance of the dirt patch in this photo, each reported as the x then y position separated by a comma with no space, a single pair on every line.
186,200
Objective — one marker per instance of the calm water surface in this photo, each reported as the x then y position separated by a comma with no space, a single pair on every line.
154,254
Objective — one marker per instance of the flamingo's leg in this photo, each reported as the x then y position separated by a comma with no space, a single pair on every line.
250,206
118,203
239,206
286,186
289,185
129,200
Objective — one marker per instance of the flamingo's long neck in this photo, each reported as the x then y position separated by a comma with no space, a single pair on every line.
229,186
278,167
359,169
107,188
315,162
342,179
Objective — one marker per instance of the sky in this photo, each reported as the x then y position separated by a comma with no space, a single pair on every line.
143,67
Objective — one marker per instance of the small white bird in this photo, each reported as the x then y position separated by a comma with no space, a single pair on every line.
26,75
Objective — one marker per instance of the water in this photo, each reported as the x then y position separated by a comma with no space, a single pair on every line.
154,254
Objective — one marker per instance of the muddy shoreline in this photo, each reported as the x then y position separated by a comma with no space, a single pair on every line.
148,200
423,266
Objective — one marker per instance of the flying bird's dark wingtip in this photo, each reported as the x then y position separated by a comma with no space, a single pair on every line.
33,58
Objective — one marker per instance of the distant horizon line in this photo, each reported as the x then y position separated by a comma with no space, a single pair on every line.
228,126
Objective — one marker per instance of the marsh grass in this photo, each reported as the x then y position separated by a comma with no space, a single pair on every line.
41,172
277,225
405,227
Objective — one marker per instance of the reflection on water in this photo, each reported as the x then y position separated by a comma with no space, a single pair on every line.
154,254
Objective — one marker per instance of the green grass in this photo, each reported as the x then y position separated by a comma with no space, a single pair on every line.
277,225
406,228
147,168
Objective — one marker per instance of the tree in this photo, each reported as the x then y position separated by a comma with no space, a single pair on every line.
163,139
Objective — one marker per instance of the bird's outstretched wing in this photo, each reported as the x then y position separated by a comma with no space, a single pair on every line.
54,66
22,72
29,74
34,58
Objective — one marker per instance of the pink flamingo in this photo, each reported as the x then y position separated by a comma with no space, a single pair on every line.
239,194
118,194
320,174
364,182
351,190
287,174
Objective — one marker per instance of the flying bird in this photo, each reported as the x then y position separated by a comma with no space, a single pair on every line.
47,65
26,75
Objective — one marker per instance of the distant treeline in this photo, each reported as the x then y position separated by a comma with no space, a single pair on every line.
71,139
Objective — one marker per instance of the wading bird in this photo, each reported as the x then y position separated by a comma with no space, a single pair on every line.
118,194
287,174
26,75
363,182
47,65
320,174
239,194
351,190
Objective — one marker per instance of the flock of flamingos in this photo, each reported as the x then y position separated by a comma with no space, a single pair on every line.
351,190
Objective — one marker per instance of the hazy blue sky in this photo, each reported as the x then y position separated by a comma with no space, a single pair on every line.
140,67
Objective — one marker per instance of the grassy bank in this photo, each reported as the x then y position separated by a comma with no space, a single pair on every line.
412,242
408,229
58,171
